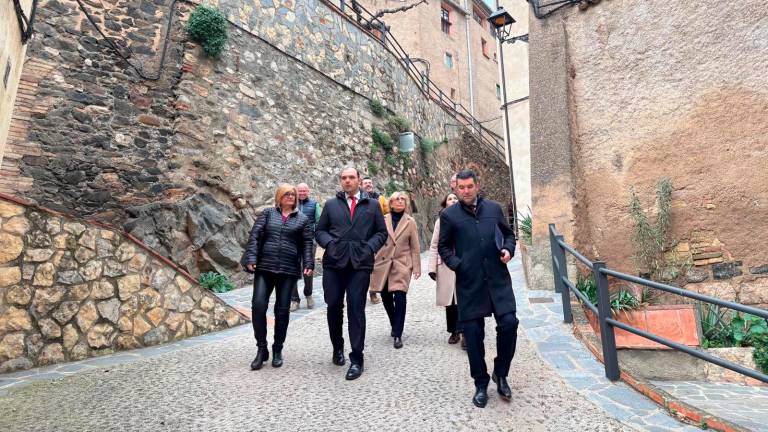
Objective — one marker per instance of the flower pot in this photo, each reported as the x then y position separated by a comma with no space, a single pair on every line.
406,143
678,323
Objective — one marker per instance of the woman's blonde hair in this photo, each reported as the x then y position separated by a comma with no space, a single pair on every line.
398,194
284,188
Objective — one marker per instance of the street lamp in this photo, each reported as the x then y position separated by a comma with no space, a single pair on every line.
502,22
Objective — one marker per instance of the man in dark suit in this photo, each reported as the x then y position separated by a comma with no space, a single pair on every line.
351,230
477,243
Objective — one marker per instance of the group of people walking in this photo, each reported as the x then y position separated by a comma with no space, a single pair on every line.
372,245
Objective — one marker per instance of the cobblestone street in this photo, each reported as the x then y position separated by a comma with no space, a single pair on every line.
424,386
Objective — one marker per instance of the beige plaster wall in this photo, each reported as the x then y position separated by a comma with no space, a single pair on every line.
687,100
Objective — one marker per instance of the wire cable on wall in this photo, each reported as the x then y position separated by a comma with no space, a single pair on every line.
116,49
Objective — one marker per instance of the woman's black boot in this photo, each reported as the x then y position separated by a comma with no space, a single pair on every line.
261,356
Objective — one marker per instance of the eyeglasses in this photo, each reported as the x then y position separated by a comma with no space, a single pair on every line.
399,199
289,194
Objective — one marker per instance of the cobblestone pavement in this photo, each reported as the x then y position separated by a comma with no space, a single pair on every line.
744,405
204,383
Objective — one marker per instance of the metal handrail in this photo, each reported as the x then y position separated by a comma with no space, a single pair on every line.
605,316
368,22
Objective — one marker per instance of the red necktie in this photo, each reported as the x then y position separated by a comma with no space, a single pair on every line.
352,207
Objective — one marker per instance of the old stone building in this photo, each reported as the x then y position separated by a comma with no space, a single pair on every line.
457,43
12,49
616,107
182,152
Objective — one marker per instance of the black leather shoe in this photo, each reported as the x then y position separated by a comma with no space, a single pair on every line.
502,387
277,358
262,355
480,399
398,343
338,357
354,372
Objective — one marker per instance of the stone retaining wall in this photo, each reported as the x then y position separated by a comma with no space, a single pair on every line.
70,290
186,161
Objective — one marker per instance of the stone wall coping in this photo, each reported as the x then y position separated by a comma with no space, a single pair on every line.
29,204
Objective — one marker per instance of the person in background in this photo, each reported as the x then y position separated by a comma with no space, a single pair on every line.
280,240
351,230
445,293
311,209
453,183
367,185
396,262
477,243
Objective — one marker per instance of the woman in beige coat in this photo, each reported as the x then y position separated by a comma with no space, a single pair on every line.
396,262
445,277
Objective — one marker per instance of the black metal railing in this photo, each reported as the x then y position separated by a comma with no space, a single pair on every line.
376,27
604,314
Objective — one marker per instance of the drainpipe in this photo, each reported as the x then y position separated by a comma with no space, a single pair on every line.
468,20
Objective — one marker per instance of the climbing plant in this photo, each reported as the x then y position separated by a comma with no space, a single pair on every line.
650,238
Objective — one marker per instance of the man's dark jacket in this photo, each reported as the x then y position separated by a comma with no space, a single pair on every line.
279,247
470,245
346,240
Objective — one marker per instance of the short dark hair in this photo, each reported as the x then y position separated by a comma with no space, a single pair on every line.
466,174
348,168
367,178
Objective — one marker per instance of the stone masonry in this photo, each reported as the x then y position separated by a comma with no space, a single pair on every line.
69,290
184,162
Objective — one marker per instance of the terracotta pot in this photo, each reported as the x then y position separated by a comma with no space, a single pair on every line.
678,323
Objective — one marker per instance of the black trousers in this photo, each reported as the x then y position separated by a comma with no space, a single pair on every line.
506,341
395,303
452,318
353,283
263,285
307,289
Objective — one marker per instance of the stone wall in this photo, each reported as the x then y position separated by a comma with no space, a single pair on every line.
71,290
669,89
185,161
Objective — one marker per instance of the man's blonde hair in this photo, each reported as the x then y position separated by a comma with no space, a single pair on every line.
284,188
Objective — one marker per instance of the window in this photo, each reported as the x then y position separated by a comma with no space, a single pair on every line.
484,44
448,60
477,17
453,94
498,92
445,20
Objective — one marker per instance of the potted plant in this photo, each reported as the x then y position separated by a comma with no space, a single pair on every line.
678,323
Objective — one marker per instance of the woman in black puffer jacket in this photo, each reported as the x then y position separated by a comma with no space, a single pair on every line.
280,240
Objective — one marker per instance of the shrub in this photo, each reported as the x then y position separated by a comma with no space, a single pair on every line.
399,123
215,282
208,27
526,228
761,354
588,287
382,139
429,145
372,168
377,108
